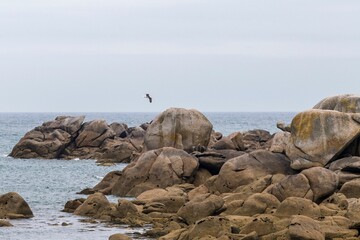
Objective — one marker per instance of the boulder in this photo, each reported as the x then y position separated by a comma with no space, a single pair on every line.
315,184
119,236
93,206
72,205
93,134
250,167
351,189
13,206
353,210
280,142
214,160
256,139
171,198
347,168
210,226
318,137
107,183
262,224
200,207
159,168
303,227
347,103
258,203
5,223
117,150
120,129
178,128
298,206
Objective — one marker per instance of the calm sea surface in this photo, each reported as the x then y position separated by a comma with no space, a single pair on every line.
48,184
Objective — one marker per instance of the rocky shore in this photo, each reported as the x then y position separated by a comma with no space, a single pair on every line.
190,182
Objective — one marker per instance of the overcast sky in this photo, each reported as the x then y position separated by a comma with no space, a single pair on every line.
223,55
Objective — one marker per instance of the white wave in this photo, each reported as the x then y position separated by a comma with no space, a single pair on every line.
98,177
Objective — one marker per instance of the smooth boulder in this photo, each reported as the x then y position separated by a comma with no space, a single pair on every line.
319,136
13,206
248,168
348,103
179,128
159,168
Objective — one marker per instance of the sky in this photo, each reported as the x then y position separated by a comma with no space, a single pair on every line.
211,55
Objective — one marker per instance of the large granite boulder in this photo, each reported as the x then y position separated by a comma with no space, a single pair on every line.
158,168
93,206
248,168
12,205
318,137
315,184
49,140
179,128
171,199
348,103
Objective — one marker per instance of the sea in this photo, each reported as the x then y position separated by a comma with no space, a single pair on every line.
47,185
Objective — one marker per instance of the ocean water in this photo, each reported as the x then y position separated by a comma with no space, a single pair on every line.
48,184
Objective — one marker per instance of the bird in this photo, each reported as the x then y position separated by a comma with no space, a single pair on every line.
148,96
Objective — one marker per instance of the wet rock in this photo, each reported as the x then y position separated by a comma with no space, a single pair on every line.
5,223
178,128
156,169
72,205
119,236
13,206
106,184
93,206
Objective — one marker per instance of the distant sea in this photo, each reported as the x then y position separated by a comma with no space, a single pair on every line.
48,184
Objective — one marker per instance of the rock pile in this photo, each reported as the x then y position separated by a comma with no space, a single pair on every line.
191,182
71,138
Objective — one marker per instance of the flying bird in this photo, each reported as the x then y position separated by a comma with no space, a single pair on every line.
148,96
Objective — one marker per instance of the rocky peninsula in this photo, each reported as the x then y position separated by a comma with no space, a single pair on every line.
190,182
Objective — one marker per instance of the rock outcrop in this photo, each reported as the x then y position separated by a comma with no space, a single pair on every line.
71,138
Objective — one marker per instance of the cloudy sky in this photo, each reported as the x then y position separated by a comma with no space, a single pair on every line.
212,55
